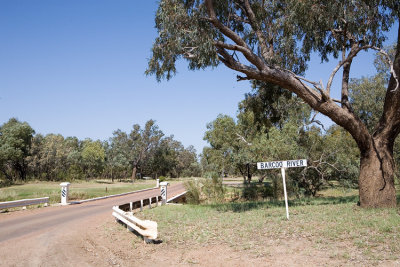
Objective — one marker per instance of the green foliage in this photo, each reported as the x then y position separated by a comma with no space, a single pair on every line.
93,156
15,144
213,189
249,192
292,30
271,41
193,188
54,158
269,104
367,96
332,155
208,190
254,191
180,35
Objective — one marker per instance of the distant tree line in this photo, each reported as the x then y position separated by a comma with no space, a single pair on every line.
145,151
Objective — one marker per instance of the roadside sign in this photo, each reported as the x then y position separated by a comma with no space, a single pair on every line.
282,165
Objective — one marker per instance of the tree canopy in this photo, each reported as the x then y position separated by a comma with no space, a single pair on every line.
15,144
271,41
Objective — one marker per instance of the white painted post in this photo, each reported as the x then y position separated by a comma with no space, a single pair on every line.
158,183
150,203
156,201
164,192
141,205
284,190
130,206
64,193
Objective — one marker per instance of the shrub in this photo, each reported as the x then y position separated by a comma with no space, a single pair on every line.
193,188
210,189
255,191
214,189
249,191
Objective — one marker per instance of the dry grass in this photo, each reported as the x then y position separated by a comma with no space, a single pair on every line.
333,224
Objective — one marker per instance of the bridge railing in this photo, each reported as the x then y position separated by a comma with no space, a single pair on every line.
148,229
24,202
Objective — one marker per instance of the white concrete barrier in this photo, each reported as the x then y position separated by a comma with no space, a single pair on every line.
163,189
177,197
64,193
24,202
146,228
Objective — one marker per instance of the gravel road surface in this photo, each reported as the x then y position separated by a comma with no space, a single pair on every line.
42,237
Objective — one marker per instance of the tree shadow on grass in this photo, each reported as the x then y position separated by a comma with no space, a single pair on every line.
104,182
250,205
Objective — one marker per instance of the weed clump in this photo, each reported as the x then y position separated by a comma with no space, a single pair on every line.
208,190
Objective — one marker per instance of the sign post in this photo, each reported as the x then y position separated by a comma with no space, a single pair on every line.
282,165
284,192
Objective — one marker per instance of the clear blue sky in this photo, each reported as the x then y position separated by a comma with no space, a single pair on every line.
77,68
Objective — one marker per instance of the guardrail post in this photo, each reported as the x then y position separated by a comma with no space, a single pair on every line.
164,192
149,203
64,193
156,201
141,205
130,206
158,183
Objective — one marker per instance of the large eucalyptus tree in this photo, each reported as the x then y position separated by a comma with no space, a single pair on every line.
271,41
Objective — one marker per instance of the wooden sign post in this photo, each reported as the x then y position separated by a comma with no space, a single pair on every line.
282,165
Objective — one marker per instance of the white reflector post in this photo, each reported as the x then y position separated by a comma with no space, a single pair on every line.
64,193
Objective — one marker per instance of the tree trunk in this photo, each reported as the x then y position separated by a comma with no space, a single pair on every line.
134,174
242,173
248,173
376,180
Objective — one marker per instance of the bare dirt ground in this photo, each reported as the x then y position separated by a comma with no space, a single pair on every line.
107,243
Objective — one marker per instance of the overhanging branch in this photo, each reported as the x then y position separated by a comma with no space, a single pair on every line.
246,51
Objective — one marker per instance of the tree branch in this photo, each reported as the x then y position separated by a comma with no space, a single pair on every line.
256,27
231,63
243,139
247,52
396,78
313,120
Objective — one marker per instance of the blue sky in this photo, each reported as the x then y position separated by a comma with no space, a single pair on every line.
77,68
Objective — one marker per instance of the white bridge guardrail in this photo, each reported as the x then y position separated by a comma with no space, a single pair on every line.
177,197
148,229
24,202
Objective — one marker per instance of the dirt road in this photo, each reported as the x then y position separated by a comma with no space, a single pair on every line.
50,236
